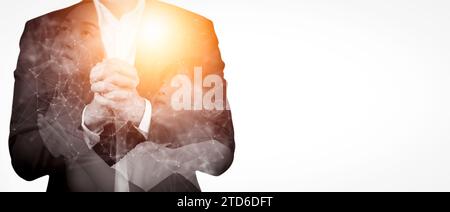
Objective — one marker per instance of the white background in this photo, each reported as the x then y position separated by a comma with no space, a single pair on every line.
327,95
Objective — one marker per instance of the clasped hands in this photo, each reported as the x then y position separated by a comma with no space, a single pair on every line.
116,99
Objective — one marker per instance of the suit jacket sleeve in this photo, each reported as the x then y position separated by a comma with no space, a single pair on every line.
30,158
178,129
219,122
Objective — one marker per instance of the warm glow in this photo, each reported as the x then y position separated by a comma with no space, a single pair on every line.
159,40
155,32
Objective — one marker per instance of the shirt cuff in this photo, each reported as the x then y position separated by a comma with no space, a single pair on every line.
144,126
91,138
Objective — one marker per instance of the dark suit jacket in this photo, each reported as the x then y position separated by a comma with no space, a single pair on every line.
58,51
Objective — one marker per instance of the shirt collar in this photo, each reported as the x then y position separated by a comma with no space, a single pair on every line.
107,14
119,35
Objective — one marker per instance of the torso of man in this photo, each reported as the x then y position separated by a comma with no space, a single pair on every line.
58,51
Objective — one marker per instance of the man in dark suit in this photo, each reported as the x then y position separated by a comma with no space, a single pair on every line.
79,114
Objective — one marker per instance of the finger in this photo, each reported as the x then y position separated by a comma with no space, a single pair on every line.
122,67
118,95
103,101
110,67
70,138
40,121
122,82
103,87
49,140
51,136
57,132
97,73
44,124
45,129
56,138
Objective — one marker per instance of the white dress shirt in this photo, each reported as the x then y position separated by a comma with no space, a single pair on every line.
119,41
